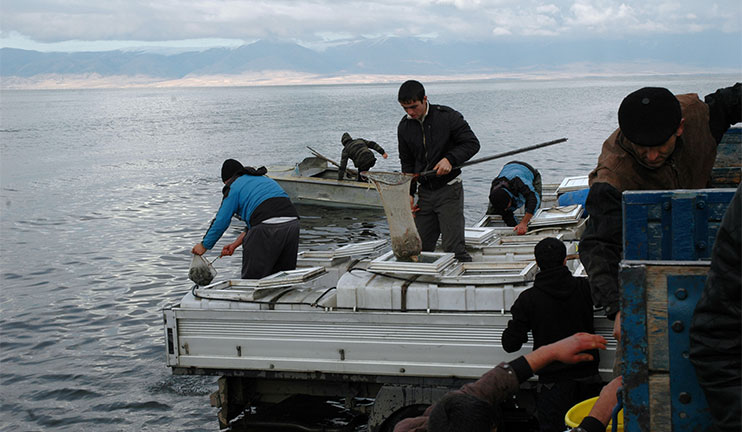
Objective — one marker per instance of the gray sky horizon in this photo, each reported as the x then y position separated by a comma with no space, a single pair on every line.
91,25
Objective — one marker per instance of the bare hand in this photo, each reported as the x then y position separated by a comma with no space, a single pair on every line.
385,155
228,250
570,350
617,327
413,206
199,249
603,408
443,167
521,228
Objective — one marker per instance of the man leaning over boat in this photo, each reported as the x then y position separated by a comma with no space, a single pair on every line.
664,141
359,151
270,241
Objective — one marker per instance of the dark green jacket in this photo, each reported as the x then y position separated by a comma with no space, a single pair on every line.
358,150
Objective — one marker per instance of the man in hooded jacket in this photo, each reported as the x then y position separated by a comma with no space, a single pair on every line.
558,305
270,241
358,150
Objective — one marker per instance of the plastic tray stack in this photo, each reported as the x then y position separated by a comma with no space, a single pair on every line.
570,184
477,236
429,263
329,258
491,272
564,215
372,247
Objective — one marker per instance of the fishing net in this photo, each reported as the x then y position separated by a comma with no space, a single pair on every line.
394,189
201,271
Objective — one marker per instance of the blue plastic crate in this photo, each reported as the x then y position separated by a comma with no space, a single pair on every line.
676,225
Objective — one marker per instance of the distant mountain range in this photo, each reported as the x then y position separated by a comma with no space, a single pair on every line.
385,56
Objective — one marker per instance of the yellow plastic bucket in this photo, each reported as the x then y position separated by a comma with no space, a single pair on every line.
578,412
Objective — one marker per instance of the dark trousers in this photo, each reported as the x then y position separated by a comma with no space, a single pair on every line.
554,399
365,166
442,214
269,248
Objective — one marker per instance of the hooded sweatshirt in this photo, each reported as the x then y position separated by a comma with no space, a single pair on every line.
558,305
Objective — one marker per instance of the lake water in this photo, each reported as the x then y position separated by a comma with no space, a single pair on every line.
104,192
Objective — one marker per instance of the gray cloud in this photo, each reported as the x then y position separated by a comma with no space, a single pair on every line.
320,21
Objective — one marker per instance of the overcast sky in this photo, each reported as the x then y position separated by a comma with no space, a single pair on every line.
74,25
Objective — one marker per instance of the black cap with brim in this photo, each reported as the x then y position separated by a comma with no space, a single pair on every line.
649,116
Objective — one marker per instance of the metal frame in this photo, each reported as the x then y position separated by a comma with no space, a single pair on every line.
661,392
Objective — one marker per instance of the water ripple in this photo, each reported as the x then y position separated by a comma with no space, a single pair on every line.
96,246
64,394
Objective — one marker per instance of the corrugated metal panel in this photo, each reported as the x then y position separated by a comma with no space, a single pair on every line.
414,344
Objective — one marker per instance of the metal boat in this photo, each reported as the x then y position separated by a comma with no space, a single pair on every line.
314,182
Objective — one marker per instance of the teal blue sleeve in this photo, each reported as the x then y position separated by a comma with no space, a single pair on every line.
221,221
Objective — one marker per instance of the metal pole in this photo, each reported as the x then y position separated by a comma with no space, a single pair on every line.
501,155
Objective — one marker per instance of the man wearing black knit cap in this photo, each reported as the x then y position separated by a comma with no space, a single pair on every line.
664,141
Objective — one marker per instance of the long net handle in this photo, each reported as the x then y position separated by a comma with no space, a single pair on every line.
502,155
350,171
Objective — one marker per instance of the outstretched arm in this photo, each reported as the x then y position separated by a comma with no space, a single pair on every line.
504,380
373,145
568,350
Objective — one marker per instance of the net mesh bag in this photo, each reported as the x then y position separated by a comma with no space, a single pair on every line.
201,271
394,189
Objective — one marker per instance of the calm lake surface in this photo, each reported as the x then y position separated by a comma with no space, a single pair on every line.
104,192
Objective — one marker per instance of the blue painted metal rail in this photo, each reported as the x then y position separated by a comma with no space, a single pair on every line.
668,239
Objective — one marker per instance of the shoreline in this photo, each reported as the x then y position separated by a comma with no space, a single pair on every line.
290,78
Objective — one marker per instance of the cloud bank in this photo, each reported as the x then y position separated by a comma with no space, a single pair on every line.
92,24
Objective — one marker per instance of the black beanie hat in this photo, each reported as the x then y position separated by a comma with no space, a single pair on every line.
550,253
346,138
649,116
499,200
230,167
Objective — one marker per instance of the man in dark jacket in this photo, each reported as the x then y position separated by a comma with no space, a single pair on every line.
558,305
504,380
517,185
437,138
663,142
715,338
358,150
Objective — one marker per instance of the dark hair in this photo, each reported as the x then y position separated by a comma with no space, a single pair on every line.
550,253
460,412
411,91
499,199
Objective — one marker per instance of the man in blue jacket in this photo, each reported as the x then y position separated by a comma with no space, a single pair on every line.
518,185
270,241
435,137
